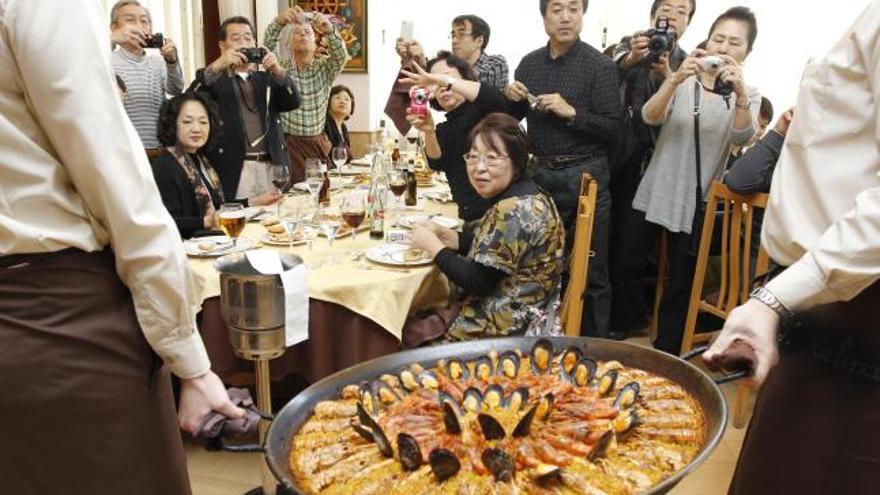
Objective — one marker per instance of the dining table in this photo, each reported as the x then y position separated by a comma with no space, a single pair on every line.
357,308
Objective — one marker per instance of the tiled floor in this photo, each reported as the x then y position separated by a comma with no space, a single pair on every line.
219,473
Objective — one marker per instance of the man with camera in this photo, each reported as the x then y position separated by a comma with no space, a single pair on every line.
643,60
148,78
568,91
250,101
293,37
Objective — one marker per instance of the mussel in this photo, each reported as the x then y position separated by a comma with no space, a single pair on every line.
493,397
473,400
367,399
376,432
582,373
542,356
508,364
546,473
601,447
490,426
451,414
570,357
384,394
523,427
408,452
627,396
544,407
408,380
456,369
444,464
499,463
518,399
607,382
365,433
483,367
626,422
428,379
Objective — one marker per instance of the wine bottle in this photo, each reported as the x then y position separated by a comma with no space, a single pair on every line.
411,184
324,192
377,218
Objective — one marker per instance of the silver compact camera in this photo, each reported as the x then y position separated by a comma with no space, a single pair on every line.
712,63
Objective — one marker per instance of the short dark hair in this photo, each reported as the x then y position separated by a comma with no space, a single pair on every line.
766,109
339,88
742,14
543,6
656,5
703,44
167,125
238,19
464,68
502,127
479,27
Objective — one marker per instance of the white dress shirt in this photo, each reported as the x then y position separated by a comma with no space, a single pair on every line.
73,172
823,219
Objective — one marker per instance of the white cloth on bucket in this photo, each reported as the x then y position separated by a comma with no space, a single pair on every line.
296,292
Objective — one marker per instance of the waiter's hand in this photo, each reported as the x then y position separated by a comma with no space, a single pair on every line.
199,397
756,326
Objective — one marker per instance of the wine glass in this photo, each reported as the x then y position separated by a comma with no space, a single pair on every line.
314,179
232,220
309,229
397,184
280,177
354,211
339,154
330,224
290,223
412,137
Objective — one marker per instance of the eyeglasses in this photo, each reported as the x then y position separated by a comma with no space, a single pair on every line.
458,35
472,159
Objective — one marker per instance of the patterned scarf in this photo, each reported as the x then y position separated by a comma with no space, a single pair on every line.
191,169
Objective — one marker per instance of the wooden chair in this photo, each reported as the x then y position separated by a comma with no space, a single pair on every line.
735,269
573,301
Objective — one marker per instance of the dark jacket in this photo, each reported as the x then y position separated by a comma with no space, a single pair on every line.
178,195
227,156
336,138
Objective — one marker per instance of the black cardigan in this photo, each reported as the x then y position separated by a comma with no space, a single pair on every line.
178,195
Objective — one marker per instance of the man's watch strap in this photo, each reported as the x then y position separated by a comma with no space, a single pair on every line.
770,300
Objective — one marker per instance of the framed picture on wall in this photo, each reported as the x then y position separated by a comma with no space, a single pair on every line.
350,18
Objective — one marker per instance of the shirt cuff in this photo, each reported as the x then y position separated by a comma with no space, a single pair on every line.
185,356
801,286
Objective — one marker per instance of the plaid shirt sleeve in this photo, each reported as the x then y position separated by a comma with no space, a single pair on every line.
492,70
333,64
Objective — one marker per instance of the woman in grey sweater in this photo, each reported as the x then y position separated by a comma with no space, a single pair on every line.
665,199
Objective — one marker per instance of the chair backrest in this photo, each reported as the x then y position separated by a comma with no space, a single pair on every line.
579,262
737,259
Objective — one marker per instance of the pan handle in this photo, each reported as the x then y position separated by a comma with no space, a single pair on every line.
219,443
739,357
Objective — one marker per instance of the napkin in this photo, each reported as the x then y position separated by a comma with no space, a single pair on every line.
216,424
296,292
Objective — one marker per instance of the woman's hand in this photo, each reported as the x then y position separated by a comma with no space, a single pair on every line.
732,74
690,67
420,78
423,123
201,396
265,199
423,237
447,236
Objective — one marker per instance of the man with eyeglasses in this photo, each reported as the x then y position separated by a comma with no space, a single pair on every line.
641,74
469,38
568,91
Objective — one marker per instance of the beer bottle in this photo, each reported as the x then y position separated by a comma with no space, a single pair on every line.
395,155
411,184
324,192
377,219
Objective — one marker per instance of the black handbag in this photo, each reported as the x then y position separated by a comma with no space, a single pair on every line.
700,205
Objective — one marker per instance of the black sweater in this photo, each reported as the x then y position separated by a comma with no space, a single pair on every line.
178,195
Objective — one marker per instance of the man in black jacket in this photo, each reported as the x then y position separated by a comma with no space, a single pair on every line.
641,74
250,102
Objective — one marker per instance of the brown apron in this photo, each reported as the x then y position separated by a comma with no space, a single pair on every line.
816,426
302,147
85,405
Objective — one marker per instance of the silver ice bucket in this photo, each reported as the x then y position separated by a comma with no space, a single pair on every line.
252,305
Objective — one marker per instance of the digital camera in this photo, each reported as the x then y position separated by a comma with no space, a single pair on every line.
418,101
253,55
155,40
712,64
661,39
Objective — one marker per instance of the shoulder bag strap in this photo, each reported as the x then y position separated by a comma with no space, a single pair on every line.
698,93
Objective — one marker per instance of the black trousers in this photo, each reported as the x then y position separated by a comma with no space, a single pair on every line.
564,186
629,310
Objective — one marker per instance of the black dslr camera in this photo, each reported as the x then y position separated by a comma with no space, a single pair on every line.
253,55
662,40
156,40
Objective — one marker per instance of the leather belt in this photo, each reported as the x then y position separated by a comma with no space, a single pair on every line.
256,157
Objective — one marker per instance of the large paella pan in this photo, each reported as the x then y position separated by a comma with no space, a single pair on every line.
516,415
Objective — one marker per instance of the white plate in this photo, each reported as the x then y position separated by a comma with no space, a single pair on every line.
335,184
222,245
350,170
254,213
271,241
439,196
392,254
364,161
410,220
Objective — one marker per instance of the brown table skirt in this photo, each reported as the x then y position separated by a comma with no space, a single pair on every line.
338,338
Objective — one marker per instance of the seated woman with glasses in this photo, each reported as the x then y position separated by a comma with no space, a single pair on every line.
509,269
456,91
340,108
190,188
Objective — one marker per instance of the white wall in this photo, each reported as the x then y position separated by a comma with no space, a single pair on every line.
790,32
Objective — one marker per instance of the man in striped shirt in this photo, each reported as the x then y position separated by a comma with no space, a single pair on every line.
292,37
148,78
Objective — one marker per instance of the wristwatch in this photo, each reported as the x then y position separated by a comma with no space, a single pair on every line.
770,300
747,104
448,80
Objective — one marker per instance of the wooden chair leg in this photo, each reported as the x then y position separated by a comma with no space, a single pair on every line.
741,406
659,286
